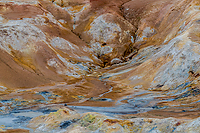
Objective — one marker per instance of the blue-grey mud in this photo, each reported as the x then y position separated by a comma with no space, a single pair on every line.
99,66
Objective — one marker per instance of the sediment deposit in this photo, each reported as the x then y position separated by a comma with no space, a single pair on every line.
99,66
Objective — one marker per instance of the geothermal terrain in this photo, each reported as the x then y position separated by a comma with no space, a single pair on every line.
99,66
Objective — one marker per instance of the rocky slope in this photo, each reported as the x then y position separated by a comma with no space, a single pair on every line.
119,65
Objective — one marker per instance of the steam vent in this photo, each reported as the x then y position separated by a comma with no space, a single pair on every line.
99,66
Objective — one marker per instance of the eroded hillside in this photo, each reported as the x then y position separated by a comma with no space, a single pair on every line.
133,63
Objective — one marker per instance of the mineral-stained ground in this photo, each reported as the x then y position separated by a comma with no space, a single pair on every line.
99,66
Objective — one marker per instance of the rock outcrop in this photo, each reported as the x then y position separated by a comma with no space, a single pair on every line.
94,122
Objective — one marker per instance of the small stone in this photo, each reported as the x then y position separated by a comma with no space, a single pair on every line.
116,61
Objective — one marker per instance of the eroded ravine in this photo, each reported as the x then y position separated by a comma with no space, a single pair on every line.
123,59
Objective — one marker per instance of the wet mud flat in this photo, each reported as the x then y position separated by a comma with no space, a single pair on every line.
128,105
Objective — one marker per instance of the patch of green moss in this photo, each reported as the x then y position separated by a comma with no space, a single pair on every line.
87,120
91,122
